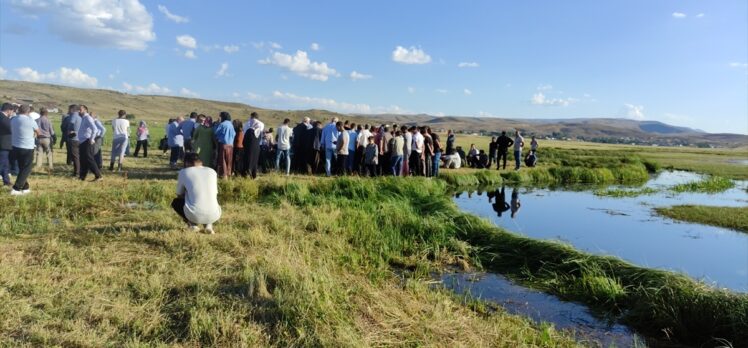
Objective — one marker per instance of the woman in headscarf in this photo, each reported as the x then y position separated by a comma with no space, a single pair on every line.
203,140
142,136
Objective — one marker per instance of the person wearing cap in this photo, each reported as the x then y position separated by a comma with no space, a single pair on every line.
23,131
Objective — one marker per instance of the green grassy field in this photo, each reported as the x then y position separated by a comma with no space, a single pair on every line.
314,261
728,217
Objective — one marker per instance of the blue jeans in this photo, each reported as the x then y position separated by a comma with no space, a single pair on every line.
278,155
397,164
517,158
351,155
329,160
435,163
5,166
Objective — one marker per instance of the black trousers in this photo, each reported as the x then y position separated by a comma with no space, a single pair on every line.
342,160
251,153
178,205
502,156
75,156
25,158
88,160
144,145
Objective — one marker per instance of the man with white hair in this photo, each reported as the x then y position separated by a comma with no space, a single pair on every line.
330,140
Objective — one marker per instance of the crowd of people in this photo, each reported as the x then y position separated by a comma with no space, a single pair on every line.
498,151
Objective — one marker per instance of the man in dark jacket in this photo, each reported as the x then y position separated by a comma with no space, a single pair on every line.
502,144
492,148
5,142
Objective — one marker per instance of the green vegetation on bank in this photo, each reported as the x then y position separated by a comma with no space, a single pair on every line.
711,184
735,218
620,193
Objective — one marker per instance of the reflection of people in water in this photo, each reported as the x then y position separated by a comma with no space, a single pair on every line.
515,202
500,206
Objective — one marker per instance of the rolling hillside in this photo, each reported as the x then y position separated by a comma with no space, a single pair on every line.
160,108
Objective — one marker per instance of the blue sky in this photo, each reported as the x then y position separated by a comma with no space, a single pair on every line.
680,62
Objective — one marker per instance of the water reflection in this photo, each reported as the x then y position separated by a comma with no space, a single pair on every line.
626,227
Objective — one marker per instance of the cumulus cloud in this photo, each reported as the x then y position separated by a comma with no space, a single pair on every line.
172,17
231,48
64,75
468,65
187,93
223,70
355,76
739,65
632,111
301,65
410,55
314,46
151,88
540,99
187,41
467,91
190,54
679,15
275,45
123,24
2,72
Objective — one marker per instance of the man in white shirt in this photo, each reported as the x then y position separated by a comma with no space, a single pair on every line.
283,144
197,194
417,164
519,142
120,139
24,131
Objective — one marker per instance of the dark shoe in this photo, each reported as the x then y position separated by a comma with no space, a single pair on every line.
111,167
98,178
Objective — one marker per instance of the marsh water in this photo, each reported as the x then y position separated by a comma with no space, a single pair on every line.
624,227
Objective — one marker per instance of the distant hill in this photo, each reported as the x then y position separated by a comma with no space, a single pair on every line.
160,108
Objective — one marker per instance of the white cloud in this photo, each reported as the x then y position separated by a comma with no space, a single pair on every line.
411,90
355,76
739,65
2,72
231,48
540,99
187,93
187,41
679,15
700,15
76,77
275,45
64,75
485,114
545,87
223,70
412,55
467,91
632,111
253,96
442,91
468,65
301,65
123,24
151,88
190,54
314,46
172,17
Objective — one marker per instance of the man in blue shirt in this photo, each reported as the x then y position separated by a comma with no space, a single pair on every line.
188,127
225,134
175,139
329,141
87,140
98,140
71,131
23,133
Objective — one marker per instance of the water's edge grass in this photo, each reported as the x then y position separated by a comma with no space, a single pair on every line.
735,218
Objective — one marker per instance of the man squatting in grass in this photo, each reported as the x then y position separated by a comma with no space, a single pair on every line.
197,194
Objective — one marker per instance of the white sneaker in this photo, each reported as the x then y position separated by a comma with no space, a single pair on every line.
193,228
13,192
209,229
26,191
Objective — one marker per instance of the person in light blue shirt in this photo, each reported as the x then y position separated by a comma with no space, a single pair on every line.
225,134
71,132
188,127
87,140
329,140
352,135
176,141
23,131
98,140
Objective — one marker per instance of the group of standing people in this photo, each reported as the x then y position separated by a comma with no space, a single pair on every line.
498,151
